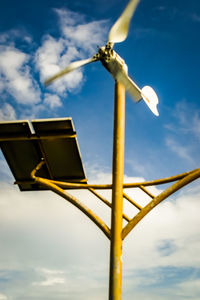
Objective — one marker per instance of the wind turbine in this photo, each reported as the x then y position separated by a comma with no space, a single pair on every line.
114,63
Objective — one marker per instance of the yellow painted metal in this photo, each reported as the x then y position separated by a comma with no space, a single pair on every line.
35,137
71,199
69,185
157,181
166,193
117,234
115,283
132,201
107,203
146,191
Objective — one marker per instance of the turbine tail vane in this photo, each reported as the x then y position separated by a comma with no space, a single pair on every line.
150,98
146,93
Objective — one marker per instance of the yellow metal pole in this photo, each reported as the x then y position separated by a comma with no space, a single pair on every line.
115,283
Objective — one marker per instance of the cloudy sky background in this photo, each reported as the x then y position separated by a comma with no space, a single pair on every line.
49,250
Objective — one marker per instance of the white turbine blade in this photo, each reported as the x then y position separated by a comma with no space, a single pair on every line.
130,86
150,98
73,66
119,31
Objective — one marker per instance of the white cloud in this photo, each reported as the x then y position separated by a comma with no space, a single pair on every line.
187,117
188,288
53,56
173,227
184,132
52,277
5,173
7,112
15,76
3,297
52,281
196,124
52,101
48,55
78,40
181,150
11,35
43,232
85,35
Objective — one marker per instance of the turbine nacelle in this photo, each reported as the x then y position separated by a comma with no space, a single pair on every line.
112,61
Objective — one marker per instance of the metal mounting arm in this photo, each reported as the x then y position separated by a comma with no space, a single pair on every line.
56,189
156,200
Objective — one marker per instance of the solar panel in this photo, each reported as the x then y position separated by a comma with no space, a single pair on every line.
52,139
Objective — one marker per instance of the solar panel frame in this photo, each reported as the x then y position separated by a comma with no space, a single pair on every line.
54,140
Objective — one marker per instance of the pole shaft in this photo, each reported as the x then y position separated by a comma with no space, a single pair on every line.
115,283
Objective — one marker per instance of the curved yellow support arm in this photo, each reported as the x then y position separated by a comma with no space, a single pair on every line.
166,193
73,200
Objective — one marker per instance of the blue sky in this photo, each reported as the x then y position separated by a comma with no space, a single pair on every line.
38,250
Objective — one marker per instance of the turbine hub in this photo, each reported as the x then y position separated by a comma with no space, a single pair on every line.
111,60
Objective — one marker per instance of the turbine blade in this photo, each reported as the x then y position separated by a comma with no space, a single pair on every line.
119,30
73,66
130,86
